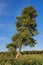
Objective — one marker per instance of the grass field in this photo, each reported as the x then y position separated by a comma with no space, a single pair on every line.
37,57
33,59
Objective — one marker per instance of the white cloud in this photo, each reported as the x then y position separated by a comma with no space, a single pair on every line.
6,25
3,7
2,39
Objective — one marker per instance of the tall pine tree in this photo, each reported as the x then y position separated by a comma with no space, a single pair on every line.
26,27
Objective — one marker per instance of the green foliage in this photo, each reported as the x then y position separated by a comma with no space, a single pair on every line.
7,54
32,52
26,27
27,60
11,47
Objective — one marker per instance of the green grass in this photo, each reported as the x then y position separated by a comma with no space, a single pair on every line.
33,59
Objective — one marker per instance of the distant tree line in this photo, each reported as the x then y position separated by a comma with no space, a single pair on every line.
32,52
12,54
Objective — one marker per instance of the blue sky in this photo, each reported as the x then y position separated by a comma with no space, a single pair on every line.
9,9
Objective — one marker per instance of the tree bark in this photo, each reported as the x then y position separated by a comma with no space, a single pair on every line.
18,53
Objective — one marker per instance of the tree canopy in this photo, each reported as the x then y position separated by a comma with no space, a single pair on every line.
26,27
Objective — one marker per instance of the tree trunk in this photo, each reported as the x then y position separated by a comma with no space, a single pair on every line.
18,53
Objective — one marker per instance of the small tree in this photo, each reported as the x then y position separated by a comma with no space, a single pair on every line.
26,27
12,49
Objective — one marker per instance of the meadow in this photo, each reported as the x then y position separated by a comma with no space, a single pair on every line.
32,59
